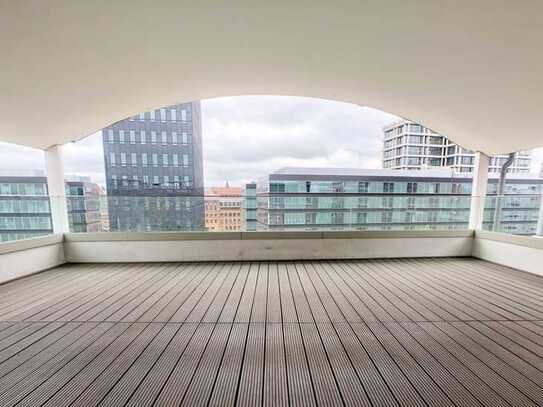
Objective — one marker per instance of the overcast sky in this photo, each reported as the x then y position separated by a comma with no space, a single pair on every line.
247,137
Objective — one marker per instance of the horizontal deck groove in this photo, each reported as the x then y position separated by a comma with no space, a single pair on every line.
394,332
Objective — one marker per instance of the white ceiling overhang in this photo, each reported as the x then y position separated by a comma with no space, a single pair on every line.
471,70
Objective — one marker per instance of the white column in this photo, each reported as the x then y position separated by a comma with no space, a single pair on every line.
56,189
478,192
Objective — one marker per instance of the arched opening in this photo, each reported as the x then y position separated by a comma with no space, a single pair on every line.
272,163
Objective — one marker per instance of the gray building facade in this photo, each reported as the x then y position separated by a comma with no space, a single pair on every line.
353,199
154,170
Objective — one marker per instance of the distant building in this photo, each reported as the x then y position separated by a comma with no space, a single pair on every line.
25,209
84,205
248,208
410,146
154,170
355,199
223,209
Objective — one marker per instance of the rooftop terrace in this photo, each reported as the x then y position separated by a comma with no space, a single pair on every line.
409,332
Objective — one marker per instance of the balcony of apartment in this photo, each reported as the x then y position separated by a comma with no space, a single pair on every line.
405,318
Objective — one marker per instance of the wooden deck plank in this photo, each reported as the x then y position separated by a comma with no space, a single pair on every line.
383,332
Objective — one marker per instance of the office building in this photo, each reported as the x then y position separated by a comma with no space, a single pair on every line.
410,146
154,170
84,204
223,209
25,209
354,199
24,205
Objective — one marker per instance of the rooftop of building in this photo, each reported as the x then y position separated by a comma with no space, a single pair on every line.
369,172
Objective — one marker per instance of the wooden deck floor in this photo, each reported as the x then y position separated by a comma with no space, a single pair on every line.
418,332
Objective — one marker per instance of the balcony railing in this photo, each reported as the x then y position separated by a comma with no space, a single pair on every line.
29,216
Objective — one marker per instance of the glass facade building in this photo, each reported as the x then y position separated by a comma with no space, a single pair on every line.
342,199
154,170
410,146
25,207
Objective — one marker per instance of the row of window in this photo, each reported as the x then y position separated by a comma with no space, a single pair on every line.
135,159
395,187
134,182
164,114
141,137
24,206
25,223
15,188
369,187
400,216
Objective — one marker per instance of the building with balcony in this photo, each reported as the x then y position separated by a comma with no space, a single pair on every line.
410,146
223,209
353,199
154,170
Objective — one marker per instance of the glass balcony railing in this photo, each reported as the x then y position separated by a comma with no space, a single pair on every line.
25,216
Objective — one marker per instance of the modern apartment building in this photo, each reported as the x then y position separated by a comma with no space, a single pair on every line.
154,170
84,205
223,209
410,146
25,209
345,199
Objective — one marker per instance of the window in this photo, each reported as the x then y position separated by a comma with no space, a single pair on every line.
153,115
163,114
112,159
176,181
185,160
155,180
133,159
175,159
183,115
146,179
142,116
174,137
123,159
144,159
388,187
153,137
125,181
155,160
164,160
121,136
164,138
186,180
166,180
411,187
132,137
114,181
185,137
135,182
173,115
142,137
110,136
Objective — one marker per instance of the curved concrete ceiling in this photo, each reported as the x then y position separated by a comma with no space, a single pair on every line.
471,70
